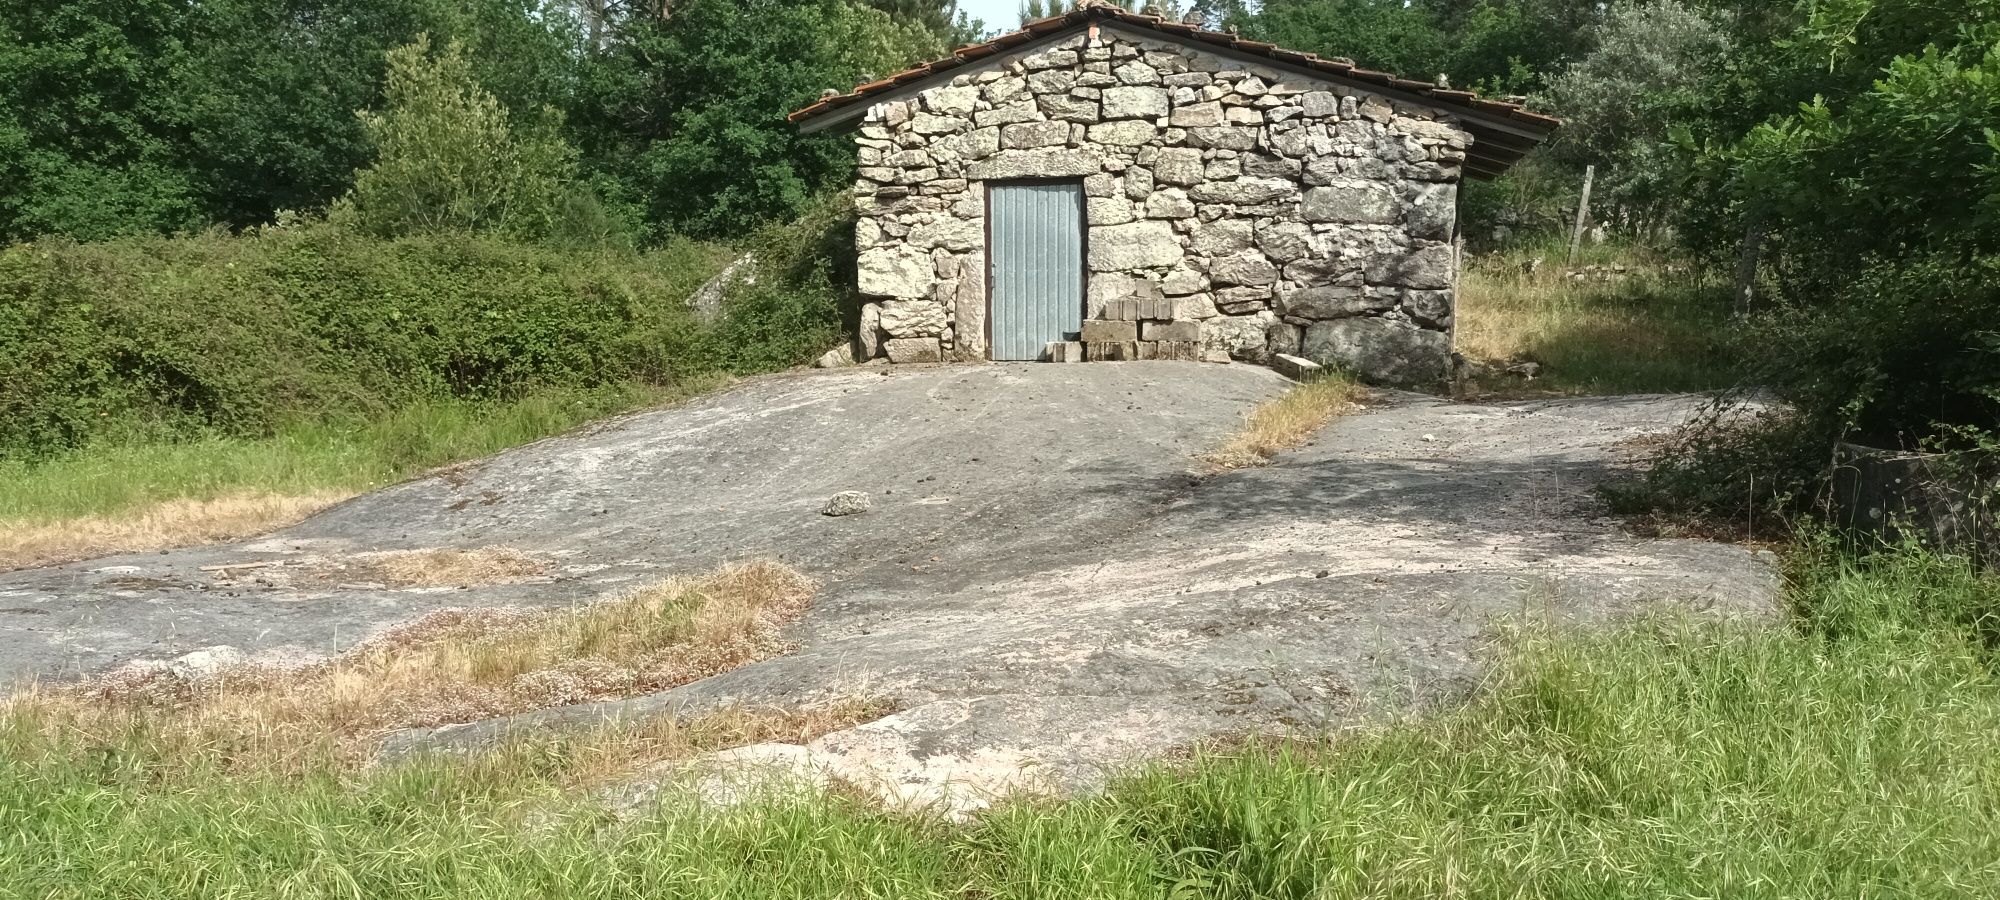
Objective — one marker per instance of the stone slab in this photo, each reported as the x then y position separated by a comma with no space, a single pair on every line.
1065,351
1109,331
1110,351
913,350
1296,368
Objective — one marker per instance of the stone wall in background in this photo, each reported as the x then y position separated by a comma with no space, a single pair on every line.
1272,213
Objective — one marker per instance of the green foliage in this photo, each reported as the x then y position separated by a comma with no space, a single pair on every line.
1648,75
1500,47
309,454
1906,356
1907,347
1042,9
122,118
693,106
449,159
1850,756
271,92
1912,153
85,148
169,338
1872,170
953,26
1379,34
792,311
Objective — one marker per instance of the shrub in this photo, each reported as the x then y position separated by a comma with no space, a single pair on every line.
1906,356
168,337
795,307
449,158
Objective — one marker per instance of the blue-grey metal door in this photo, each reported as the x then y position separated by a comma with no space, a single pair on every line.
1036,237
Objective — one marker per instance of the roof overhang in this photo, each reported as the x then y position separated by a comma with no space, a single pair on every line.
1502,133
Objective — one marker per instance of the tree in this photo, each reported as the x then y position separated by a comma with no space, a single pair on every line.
688,114
1873,111
1042,9
449,157
1380,34
1499,46
154,115
1880,190
1621,106
89,145
1222,15
1509,46
953,26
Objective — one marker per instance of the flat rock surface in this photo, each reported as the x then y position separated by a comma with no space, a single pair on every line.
1042,584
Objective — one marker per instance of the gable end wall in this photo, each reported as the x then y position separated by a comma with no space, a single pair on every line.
1280,213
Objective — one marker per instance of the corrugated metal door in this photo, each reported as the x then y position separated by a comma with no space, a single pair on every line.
1036,232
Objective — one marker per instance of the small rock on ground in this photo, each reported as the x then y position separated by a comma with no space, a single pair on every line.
845,503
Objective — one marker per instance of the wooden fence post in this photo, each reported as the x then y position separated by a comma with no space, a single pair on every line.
1746,261
1582,213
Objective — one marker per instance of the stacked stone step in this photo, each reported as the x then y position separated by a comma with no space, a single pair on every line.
1132,328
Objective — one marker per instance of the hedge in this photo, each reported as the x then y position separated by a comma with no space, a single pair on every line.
151,338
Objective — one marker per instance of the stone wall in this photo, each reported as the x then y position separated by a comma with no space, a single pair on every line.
1274,212
1947,503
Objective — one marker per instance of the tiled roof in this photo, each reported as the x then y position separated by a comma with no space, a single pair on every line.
1332,68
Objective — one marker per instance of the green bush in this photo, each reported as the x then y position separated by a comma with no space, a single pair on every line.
170,337
793,310
1905,356
450,158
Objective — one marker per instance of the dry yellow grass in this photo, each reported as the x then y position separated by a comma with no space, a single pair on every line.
449,568
173,523
450,666
1286,422
1647,328
596,755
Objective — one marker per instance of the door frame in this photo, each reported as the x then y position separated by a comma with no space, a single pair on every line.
986,254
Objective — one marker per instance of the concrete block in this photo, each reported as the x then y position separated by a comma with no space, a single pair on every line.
913,350
1295,368
1120,309
1104,331
1111,351
1066,351
1181,351
1171,331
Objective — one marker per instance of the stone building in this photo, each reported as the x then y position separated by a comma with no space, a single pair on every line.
1109,185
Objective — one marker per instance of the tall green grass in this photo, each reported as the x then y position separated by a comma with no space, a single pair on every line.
1649,326
306,457
313,360
1851,756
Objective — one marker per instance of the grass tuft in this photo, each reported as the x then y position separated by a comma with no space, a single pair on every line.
449,666
179,522
453,568
1287,422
